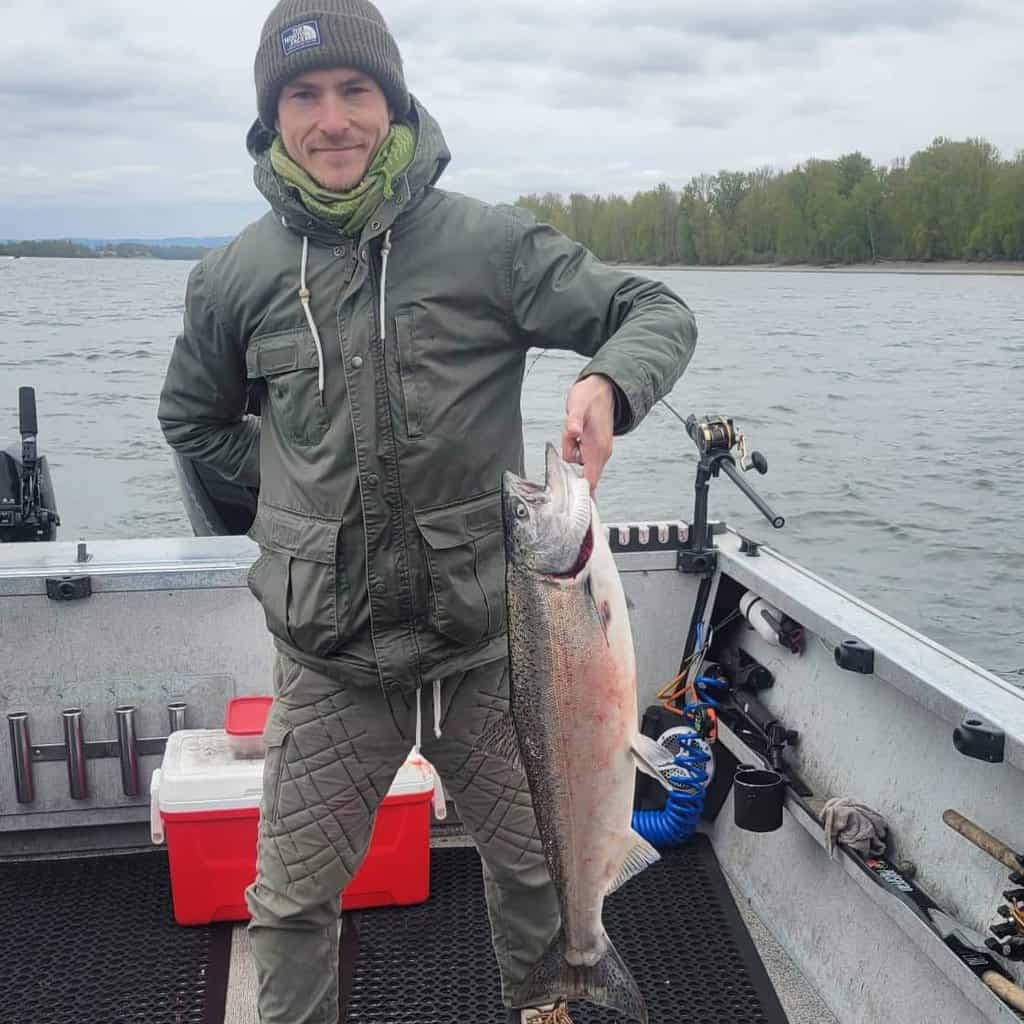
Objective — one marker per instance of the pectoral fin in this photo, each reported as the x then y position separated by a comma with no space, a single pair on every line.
653,759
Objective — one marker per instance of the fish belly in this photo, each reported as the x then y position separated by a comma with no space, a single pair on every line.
574,706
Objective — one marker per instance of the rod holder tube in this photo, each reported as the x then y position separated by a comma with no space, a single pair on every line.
176,714
74,743
21,752
127,749
701,534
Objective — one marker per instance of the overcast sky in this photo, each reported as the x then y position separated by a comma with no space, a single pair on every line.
129,120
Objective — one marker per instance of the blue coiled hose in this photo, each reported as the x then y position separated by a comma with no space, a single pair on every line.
678,819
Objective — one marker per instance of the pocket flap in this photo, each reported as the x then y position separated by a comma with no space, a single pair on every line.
467,521
278,529
281,352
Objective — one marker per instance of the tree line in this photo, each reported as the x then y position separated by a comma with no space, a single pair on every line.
62,247
951,201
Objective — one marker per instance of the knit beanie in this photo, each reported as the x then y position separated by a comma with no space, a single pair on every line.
310,35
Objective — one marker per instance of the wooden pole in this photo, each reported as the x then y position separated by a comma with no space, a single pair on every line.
1006,990
983,840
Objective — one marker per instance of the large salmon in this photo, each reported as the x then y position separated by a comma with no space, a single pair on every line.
574,707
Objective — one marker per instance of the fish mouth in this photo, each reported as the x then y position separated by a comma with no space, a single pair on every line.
562,481
558,476
553,534
559,479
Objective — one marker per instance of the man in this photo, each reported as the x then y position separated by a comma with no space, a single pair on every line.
382,326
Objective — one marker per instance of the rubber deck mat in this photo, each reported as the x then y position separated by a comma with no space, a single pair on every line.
675,925
93,941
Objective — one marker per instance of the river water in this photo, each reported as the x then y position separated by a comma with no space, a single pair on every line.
890,408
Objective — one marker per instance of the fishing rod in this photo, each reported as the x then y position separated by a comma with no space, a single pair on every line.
715,437
966,944
1008,933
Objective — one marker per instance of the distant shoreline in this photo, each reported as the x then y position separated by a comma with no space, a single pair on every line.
993,268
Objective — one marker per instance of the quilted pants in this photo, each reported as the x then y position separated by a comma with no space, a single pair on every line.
331,756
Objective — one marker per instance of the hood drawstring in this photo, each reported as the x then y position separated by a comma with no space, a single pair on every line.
438,799
419,715
384,253
304,296
304,299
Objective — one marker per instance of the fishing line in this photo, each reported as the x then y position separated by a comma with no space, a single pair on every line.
664,402
544,351
672,690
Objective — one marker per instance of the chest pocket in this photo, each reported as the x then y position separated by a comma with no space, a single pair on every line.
411,374
287,363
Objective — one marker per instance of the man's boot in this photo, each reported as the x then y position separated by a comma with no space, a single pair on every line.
553,1013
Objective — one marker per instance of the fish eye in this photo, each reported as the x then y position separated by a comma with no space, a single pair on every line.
522,511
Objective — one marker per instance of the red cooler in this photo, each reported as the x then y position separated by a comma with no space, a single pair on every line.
204,800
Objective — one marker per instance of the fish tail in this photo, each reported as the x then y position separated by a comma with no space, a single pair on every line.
607,983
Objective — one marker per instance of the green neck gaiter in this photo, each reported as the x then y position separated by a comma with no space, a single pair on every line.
349,211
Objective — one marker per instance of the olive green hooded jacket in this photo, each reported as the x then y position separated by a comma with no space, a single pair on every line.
383,435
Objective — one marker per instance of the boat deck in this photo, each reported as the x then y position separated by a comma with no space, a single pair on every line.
108,950
800,1002
688,964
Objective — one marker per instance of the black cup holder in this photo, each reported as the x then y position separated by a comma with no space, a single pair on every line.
758,797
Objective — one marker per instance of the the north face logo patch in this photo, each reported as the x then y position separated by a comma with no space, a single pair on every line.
300,37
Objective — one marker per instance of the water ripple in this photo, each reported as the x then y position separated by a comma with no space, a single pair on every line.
888,408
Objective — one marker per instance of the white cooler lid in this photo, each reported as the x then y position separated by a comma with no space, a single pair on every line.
200,772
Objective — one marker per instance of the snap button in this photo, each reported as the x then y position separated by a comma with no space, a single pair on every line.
338,251
380,588
373,479
357,362
363,255
375,226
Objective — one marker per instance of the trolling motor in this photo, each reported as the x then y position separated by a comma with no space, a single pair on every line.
715,438
28,508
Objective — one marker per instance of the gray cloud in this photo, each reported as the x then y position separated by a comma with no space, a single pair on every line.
818,106
45,93
755,20
702,113
142,108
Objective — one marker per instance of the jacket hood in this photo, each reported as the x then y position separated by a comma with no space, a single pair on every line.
430,159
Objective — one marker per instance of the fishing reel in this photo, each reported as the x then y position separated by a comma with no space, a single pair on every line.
717,435
1009,930
712,434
